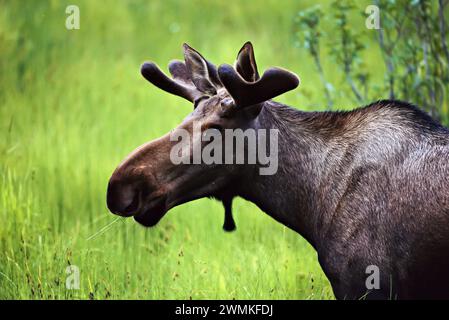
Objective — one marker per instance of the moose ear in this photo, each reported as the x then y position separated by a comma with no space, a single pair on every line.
198,69
246,63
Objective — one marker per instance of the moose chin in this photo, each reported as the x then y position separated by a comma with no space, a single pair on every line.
368,187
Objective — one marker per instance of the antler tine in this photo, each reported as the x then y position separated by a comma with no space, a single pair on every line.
274,82
153,74
179,71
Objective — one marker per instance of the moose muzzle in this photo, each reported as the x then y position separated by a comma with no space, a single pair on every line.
122,199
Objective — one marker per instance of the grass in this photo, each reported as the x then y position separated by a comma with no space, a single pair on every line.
73,104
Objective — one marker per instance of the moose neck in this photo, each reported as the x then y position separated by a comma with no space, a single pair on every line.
294,194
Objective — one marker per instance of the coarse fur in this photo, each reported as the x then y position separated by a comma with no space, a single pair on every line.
368,187
364,187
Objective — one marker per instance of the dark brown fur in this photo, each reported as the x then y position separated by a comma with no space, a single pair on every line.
364,187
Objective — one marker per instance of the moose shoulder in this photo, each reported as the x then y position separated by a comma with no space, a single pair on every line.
368,187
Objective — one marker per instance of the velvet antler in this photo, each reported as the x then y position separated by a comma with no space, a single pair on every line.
274,82
153,74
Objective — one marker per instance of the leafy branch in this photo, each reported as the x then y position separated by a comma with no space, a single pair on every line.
412,41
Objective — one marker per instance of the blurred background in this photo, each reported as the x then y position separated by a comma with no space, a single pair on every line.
73,104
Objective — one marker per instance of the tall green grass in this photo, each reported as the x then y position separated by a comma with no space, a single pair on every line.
73,104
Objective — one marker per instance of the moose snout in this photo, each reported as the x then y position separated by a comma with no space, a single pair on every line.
122,198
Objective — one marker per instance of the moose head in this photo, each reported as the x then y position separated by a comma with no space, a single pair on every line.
147,183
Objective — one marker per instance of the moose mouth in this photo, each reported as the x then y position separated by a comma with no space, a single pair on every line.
152,215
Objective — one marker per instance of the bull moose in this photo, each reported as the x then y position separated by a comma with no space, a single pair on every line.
367,187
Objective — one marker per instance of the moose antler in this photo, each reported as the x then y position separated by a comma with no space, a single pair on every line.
191,79
197,76
274,82
153,74
179,72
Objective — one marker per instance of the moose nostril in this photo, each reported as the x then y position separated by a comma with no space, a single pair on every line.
122,199
133,206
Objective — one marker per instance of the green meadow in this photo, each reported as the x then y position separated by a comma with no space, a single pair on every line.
73,104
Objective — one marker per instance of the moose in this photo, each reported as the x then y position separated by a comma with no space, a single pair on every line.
367,187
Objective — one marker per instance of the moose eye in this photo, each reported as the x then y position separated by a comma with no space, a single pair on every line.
227,103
